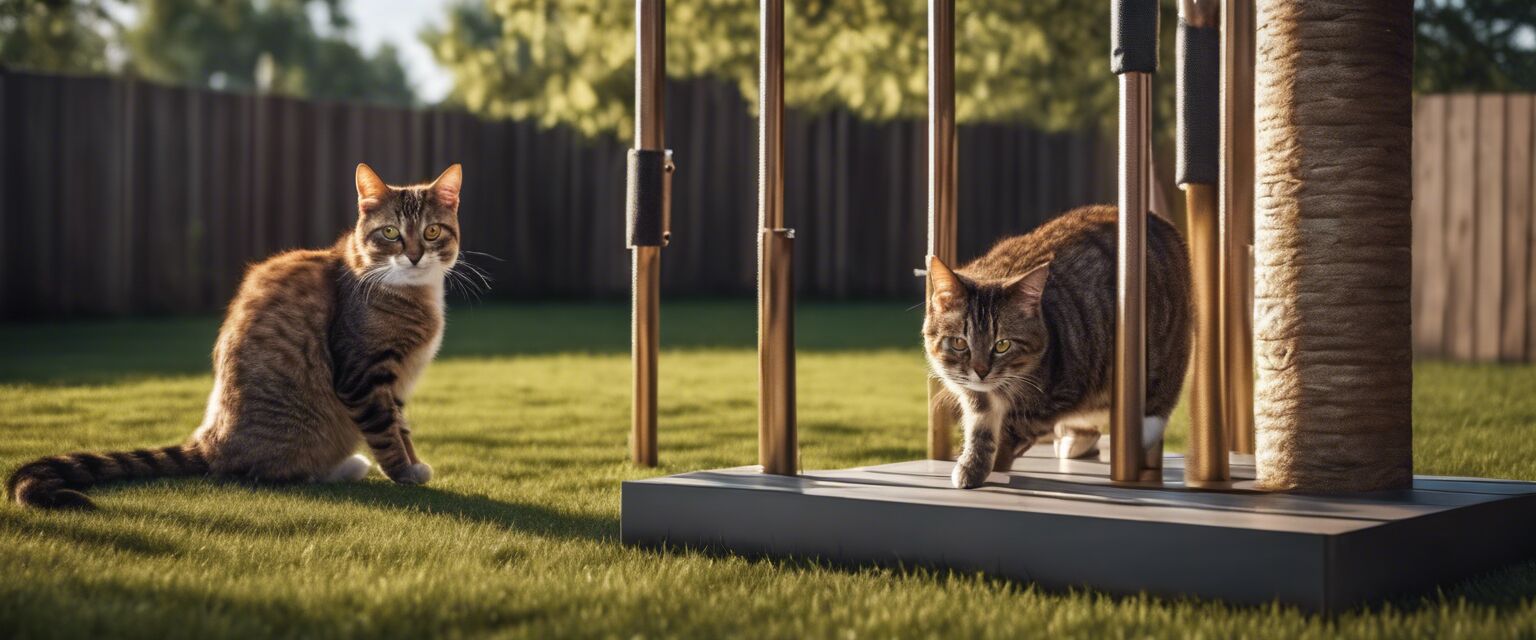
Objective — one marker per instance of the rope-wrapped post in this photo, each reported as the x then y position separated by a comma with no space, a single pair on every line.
1133,57
1199,124
1333,153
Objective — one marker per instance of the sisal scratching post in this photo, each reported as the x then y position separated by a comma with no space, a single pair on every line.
1334,147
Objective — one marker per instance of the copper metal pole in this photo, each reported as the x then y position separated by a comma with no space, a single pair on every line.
1206,460
770,120
645,290
943,168
777,444
1236,214
1199,162
1128,399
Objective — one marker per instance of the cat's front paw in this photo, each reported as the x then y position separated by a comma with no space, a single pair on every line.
969,474
418,473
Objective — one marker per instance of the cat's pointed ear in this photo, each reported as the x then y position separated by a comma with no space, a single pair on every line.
446,187
1029,287
947,291
371,189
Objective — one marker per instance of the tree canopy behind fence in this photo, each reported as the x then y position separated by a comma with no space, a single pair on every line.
1044,63
299,48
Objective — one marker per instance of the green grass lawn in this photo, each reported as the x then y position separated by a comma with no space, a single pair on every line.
525,418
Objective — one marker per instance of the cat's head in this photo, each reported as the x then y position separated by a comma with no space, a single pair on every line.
982,335
406,235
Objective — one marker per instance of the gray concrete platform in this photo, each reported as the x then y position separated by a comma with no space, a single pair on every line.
1062,523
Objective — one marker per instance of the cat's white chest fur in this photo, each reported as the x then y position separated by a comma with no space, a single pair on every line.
415,363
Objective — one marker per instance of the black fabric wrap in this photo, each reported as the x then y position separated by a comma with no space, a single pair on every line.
1133,36
1199,104
646,202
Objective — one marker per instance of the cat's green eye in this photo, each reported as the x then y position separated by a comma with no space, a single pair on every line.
1002,346
958,344
391,233
432,232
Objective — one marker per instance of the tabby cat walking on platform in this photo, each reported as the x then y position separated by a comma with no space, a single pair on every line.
318,353
1023,338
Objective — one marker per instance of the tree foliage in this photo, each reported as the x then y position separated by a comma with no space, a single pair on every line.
232,44
1475,45
1044,62
220,44
58,36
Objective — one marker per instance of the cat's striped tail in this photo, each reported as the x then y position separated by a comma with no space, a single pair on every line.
55,482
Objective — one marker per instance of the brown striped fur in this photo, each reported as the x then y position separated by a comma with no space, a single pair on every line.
318,353
1051,295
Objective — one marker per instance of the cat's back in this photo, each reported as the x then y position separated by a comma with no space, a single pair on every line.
294,286
1080,240
1079,303
277,322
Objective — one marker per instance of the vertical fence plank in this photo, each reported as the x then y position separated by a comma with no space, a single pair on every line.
194,253
1530,279
76,204
38,175
1517,221
1490,225
6,249
1461,212
1430,272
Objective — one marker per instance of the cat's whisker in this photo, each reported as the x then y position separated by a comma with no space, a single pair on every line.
473,270
485,278
472,266
482,253
463,285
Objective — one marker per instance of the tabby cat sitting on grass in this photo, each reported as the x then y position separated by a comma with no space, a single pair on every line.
1023,337
319,351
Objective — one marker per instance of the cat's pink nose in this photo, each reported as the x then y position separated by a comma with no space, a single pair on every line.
981,370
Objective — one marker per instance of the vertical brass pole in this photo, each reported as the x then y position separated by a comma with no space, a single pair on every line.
1128,399
645,313
1133,57
943,168
1206,460
1199,159
777,441
645,290
1236,215
778,449
770,119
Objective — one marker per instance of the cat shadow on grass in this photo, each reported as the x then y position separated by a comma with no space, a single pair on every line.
429,500
423,499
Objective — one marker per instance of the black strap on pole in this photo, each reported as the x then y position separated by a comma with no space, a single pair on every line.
650,183
1133,37
1199,104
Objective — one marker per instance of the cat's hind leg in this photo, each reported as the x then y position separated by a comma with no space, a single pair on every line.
1078,434
1077,437
1152,428
351,469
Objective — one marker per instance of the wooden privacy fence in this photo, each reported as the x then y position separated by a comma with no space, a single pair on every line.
1473,238
123,197
120,196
